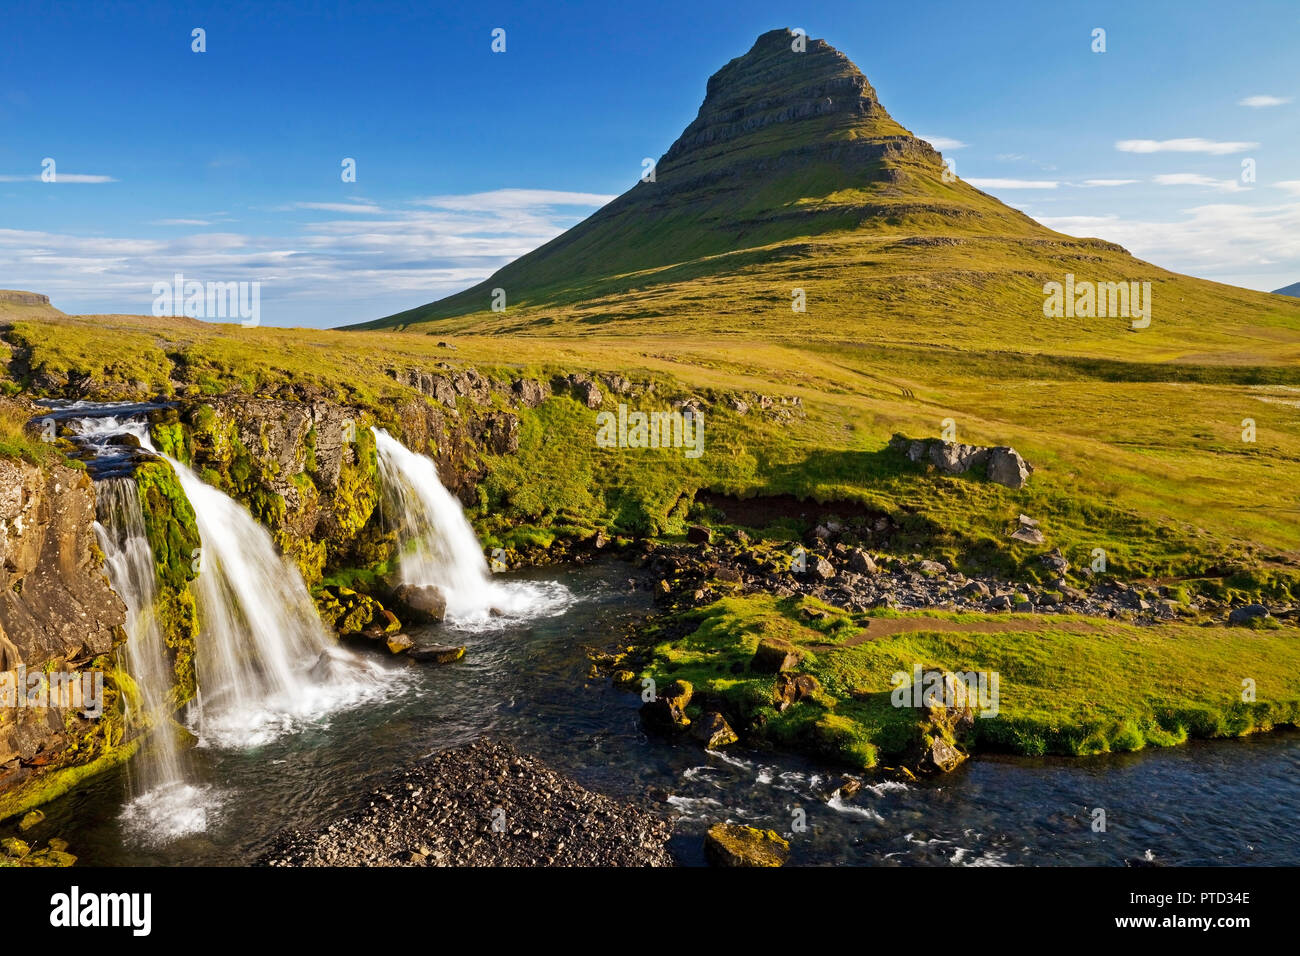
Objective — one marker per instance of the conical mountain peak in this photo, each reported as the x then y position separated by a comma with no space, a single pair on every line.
790,145
784,79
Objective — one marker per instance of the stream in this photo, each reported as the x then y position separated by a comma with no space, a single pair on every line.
303,749
1223,802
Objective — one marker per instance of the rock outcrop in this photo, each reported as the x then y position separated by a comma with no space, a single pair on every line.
1002,464
57,614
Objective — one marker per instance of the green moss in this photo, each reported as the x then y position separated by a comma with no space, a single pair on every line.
54,784
1067,685
169,523
172,530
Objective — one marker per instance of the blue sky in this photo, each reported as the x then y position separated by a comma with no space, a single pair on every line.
225,165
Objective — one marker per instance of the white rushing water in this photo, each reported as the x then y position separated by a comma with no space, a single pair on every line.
438,546
265,664
163,805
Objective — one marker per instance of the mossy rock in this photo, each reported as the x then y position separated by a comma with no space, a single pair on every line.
14,848
732,845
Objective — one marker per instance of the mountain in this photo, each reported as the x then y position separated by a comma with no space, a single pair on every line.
793,176
1292,289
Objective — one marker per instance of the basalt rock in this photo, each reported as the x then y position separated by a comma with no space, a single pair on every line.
1002,464
436,653
667,712
419,604
713,731
732,845
57,613
774,655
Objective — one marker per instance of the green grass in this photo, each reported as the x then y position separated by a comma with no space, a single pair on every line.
924,303
1067,685
16,441
1130,458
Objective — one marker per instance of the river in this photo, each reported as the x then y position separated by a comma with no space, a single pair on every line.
1230,802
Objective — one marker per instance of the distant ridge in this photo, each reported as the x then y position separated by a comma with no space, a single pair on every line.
1292,289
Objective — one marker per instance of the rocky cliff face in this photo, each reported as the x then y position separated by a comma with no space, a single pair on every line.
306,468
14,297
57,613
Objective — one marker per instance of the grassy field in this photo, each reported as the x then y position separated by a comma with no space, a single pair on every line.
1066,685
1145,460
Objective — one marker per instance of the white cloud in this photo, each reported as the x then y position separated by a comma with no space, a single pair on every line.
1196,179
1013,183
511,199
1290,185
352,208
1109,182
1264,100
1216,241
1190,145
322,272
59,178
181,222
942,142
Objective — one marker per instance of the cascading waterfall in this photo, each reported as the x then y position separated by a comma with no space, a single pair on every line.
163,806
265,664
438,546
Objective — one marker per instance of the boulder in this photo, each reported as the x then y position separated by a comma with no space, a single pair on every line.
1006,467
861,562
1248,614
436,653
14,848
31,819
399,643
941,757
667,712
774,655
1055,561
1002,464
789,689
821,569
848,788
1027,535
953,458
696,534
422,604
529,392
732,845
713,731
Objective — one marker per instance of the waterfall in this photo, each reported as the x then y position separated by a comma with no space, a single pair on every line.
266,664
163,805
438,546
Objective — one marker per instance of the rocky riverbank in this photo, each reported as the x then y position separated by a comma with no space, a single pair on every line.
831,566
483,805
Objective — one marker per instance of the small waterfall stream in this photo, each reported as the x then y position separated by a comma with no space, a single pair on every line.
265,664
438,546
164,805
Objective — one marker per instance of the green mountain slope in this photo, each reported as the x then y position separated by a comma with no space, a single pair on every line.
794,176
